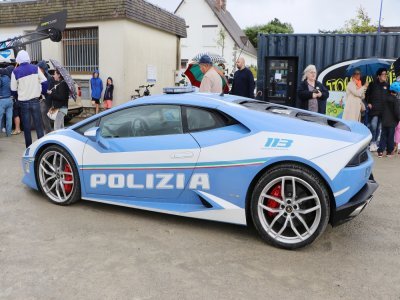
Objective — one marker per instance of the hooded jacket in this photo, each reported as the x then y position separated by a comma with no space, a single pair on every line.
96,86
27,80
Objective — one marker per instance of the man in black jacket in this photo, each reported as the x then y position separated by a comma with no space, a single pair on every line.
243,80
375,95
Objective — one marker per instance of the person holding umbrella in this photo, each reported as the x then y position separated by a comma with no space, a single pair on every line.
355,93
59,95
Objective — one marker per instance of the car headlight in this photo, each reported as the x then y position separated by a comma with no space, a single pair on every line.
359,158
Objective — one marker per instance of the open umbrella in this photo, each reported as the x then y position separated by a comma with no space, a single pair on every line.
67,77
195,76
215,58
368,67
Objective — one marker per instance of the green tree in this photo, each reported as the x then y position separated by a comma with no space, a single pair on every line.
221,36
274,26
360,24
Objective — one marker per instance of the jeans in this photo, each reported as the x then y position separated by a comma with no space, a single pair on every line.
375,126
59,121
6,107
31,109
387,140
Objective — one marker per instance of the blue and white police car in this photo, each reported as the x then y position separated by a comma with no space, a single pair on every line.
290,172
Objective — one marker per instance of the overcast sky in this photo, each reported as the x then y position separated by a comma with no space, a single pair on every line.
306,16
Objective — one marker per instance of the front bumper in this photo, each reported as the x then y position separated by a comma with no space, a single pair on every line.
356,204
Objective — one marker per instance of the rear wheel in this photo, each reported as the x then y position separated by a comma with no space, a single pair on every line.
290,206
57,176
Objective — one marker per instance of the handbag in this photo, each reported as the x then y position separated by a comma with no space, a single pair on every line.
52,113
363,108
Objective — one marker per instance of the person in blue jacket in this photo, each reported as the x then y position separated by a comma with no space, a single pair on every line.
96,86
6,103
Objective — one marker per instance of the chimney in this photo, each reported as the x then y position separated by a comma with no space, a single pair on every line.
220,5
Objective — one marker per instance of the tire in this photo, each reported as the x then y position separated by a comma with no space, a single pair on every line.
56,166
55,35
288,218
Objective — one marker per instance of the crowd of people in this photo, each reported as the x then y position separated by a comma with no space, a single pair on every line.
377,105
214,79
29,93
31,96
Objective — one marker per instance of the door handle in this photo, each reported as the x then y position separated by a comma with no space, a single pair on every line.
182,155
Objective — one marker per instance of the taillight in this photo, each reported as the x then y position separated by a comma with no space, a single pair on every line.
79,91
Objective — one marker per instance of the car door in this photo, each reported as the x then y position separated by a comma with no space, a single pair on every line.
224,153
140,152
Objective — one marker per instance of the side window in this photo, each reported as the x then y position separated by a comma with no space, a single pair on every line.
199,119
87,126
147,120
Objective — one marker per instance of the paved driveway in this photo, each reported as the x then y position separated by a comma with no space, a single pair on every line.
96,251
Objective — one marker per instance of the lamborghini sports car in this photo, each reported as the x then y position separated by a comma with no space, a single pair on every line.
290,172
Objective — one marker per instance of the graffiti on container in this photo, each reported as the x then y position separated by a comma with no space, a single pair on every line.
335,80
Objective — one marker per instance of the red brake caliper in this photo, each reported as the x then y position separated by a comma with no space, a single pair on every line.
67,186
276,192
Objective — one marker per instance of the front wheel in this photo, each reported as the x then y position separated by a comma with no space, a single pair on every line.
290,206
57,176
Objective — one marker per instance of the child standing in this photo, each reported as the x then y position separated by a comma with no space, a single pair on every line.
96,86
390,119
108,94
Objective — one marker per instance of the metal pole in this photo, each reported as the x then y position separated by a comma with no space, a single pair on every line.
378,36
380,16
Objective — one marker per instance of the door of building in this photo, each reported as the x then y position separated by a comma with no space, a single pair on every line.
280,80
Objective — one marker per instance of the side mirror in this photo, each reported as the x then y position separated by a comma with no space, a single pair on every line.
94,134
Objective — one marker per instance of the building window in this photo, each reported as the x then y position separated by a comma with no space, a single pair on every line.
184,63
81,49
34,50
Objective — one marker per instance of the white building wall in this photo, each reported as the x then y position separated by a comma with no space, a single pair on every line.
146,47
11,32
126,49
196,14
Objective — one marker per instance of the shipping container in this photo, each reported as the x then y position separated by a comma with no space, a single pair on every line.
283,57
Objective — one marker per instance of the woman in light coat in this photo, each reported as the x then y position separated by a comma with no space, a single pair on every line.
355,93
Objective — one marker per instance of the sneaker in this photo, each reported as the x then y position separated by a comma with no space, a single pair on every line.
389,155
3,130
373,147
380,155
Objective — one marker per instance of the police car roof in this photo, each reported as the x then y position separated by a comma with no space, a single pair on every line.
200,99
